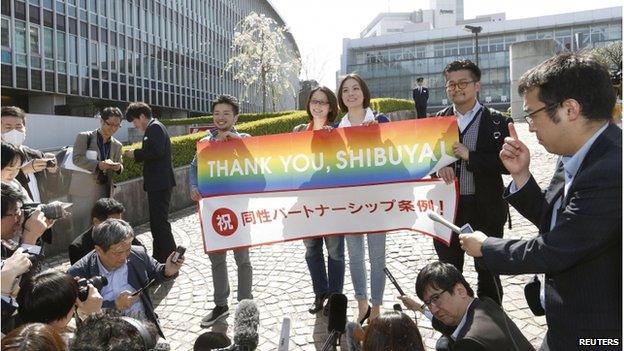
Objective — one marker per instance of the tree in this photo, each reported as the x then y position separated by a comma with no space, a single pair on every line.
611,55
261,56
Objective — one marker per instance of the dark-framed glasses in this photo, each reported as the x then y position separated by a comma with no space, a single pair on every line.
433,300
461,85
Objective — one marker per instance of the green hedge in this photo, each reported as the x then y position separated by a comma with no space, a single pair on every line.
243,117
183,147
387,105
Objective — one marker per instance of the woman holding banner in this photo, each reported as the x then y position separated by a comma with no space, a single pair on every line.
354,99
322,110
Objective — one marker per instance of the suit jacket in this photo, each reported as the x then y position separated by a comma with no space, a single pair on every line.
83,184
141,268
83,244
487,328
48,183
582,255
420,97
155,153
487,169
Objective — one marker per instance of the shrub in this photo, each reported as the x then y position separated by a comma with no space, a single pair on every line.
243,117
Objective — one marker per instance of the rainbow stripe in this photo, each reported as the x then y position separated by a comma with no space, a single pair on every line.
383,153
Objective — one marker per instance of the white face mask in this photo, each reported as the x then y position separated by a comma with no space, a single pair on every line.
14,137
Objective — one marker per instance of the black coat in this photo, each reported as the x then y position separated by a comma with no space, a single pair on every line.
155,153
487,169
581,255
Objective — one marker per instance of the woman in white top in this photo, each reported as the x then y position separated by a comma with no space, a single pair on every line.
354,99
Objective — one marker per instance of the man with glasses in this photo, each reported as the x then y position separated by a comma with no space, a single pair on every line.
98,153
579,216
466,322
481,134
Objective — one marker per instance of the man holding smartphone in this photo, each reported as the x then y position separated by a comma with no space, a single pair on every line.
128,269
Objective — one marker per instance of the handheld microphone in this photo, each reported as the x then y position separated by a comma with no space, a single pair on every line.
466,228
246,320
284,335
391,277
337,319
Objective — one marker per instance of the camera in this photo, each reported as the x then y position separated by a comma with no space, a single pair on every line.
51,211
50,163
83,288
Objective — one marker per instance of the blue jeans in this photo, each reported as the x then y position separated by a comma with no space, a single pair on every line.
335,264
377,258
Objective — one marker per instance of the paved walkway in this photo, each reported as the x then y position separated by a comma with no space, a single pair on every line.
282,287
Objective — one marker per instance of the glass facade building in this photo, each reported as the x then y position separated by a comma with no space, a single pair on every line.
64,56
391,63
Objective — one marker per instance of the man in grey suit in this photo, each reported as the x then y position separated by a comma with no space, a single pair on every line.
579,216
98,153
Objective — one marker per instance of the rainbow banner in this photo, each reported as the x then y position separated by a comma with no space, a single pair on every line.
382,153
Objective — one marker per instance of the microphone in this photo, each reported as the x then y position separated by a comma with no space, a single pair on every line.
284,335
246,320
337,319
437,218
210,341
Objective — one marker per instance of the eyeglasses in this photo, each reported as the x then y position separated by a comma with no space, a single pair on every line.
319,102
460,85
16,215
434,299
112,125
529,116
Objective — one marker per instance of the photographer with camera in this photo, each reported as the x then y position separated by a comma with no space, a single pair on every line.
12,269
98,153
128,269
39,171
54,297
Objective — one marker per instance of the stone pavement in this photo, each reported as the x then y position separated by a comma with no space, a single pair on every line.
282,287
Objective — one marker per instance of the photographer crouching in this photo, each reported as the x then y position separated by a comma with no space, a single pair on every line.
129,270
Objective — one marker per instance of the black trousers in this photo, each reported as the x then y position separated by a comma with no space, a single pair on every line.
164,243
488,284
421,111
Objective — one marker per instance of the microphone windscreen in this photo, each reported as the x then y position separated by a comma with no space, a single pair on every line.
246,320
337,318
210,341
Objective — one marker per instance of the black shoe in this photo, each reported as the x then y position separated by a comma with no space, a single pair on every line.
317,305
368,312
211,318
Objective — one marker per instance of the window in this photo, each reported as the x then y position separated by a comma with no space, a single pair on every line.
5,33
48,46
73,49
34,40
60,46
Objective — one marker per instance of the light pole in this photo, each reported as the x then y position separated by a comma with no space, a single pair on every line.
475,30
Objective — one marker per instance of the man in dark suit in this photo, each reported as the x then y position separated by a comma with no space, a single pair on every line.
481,134
103,209
579,216
127,268
421,96
466,322
158,179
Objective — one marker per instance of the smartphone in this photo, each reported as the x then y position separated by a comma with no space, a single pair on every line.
152,281
466,229
179,252
391,277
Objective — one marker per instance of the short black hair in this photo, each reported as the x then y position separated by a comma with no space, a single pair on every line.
105,207
111,112
9,153
420,79
111,331
440,275
47,297
365,91
13,111
11,198
460,65
581,77
136,109
226,99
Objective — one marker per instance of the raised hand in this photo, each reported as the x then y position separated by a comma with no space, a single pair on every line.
516,157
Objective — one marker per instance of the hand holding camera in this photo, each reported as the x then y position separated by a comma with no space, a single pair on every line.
89,294
34,227
14,266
